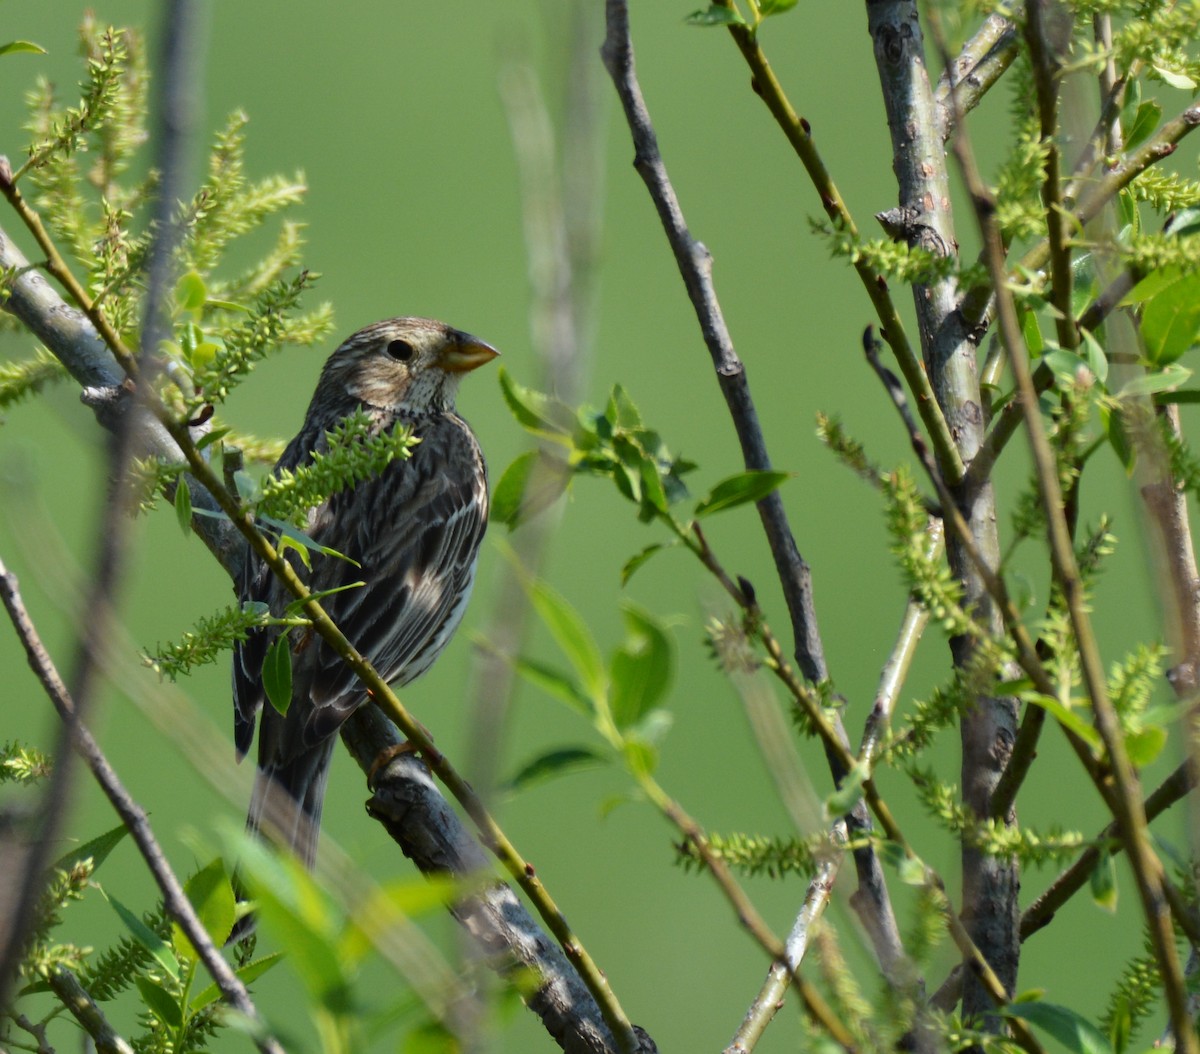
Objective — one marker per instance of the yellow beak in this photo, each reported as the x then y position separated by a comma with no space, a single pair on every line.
462,352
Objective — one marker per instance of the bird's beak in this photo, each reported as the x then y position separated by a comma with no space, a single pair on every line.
464,352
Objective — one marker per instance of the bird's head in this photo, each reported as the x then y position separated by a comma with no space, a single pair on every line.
407,364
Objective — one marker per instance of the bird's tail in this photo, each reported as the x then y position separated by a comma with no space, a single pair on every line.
285,808
287,800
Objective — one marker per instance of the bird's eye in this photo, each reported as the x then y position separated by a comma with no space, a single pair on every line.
400,350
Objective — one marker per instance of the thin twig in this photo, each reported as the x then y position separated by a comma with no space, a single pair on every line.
981,63
131,814
799,135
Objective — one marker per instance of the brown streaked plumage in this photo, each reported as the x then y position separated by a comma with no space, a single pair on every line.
415,531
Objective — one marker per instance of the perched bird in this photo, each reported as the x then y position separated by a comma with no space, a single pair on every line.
413,530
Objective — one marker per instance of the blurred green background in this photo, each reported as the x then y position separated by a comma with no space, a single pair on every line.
394,114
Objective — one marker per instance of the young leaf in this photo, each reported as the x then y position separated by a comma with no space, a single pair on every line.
1144,122
249,973
1104,882
536,412
15,47
183,505
572,636
159,1001
1171,320
739,489
146,937
277,673
636,561
554,763
557,684
533,482
97,849
190,292
715,16
211,895
641,668
1072,1030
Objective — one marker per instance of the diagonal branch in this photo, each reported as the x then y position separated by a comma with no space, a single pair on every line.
695,267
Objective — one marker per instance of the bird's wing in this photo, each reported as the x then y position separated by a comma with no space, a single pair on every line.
416,534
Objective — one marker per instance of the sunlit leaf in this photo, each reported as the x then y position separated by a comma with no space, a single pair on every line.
249,973
1171,320
1072,1030
1143,124
1145,745
96,849
557,684
572,636
1067,717
16,47
146,937
533,482
211,895
641,668
739,489
191,292
536,412
159,1001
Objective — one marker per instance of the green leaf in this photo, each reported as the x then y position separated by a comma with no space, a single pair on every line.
1171,320
297,913
1072,1030
191,292
1032,331
767,8
16,47
249,973
536,412
533,482
909,868
636,561
97,850
554,763
641,669
1176,80
211,437
739,489
1104,882
211,895
849,791
1145,745
1154,382
572,636
557,684
159,1001
1067,717
277,673
183,505
1144,122
145,936
715,16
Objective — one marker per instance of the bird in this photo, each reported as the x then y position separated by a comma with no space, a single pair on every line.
413,532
